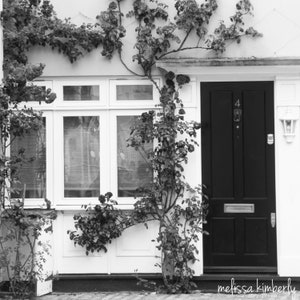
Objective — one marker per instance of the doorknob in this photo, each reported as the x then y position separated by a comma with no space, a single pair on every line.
273,219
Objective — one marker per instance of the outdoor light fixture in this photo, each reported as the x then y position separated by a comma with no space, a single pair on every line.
289,129
288,115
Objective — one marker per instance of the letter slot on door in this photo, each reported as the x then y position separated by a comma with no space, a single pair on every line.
242,208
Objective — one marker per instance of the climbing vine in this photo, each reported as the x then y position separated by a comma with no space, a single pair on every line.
169,200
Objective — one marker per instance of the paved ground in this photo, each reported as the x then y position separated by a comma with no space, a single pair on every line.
150,296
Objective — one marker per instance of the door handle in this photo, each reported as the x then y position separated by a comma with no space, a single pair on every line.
270,139
273,219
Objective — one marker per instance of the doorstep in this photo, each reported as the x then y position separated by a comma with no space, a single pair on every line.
69,283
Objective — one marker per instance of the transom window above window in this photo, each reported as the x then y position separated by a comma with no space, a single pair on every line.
81,92
134,92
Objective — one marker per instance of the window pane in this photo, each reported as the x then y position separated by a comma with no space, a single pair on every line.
32,173
81,156
81,93
134,92
133,165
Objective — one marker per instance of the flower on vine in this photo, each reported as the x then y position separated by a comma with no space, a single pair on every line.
108,195
50,98
182,79
170,83
112,5
191,148
181,111
197,125
170,75
102,199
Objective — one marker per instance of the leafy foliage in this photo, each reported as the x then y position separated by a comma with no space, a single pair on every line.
19,255
112,31
179,209
34,23
179,224
28,23
100,226
157,36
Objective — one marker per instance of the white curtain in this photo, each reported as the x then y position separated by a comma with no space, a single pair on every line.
81,157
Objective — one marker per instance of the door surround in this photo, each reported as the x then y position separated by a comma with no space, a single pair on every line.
285,72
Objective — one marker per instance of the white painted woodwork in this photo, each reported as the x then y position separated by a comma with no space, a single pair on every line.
287,93
133,252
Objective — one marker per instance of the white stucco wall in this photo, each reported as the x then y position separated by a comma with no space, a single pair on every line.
287,97
277,20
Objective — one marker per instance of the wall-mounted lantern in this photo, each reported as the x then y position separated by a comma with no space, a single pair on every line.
288,115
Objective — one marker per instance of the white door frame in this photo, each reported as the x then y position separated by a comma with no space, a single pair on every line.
285,73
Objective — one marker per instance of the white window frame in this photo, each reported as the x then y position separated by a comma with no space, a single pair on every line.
107,109
47,110
40,202
59,157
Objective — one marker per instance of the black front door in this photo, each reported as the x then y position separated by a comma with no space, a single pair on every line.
238,171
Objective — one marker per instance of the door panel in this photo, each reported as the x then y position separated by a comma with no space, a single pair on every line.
238,170
221,131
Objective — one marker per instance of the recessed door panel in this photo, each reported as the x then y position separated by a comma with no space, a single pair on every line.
221,151
224,229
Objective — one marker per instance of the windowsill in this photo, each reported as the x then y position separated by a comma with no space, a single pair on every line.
80,208
71,204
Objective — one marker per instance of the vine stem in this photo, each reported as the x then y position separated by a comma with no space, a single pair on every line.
144,154
32,252
185,38
183,49
162,258
125,65
7,264
120,49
